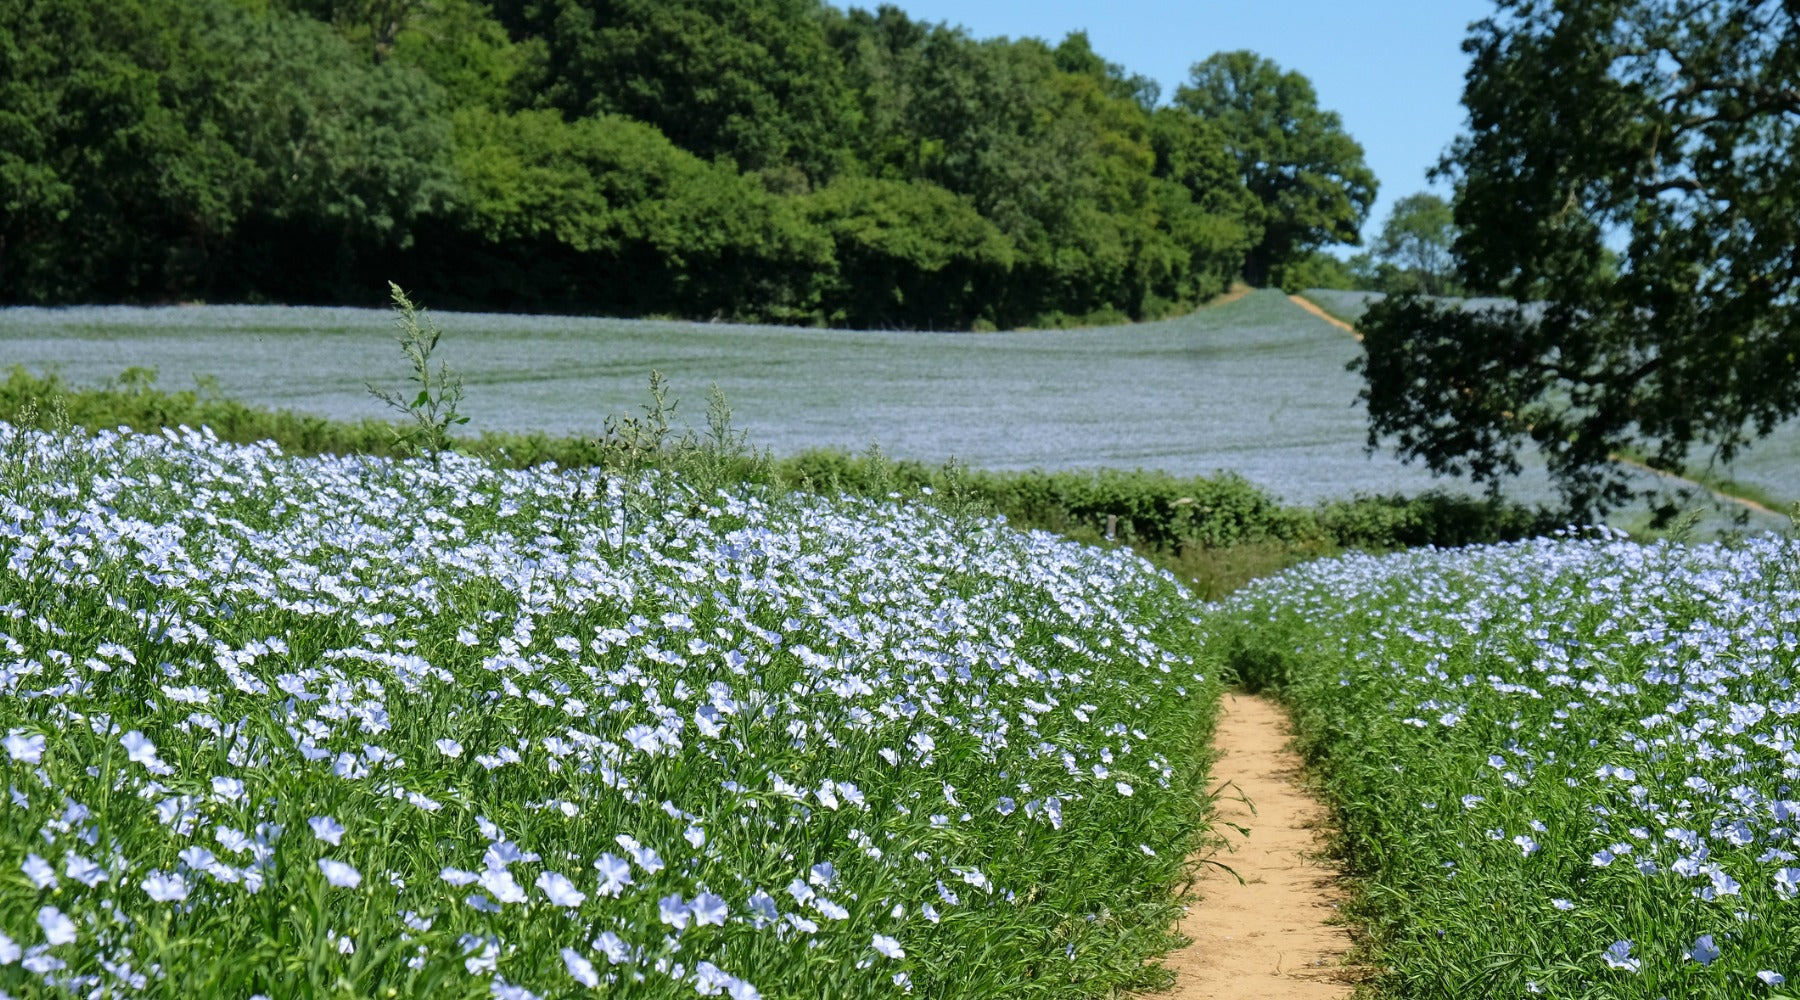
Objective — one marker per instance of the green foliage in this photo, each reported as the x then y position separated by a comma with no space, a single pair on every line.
1152,510
607,214
1446,520
434,410
1319,269
1055,148
771,160
376,24
1413,251
908,254
1631,167
752,81
628,445
460,46
1306,172
110,172
339,145
721,458
159,149
1075,54
1203,203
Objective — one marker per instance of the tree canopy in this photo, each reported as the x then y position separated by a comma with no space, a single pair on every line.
1631,176
1414,250
1306,172
752,81
754,159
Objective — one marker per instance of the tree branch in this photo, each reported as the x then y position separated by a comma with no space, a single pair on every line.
1672,184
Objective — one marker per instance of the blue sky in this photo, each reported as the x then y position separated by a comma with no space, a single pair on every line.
1393,70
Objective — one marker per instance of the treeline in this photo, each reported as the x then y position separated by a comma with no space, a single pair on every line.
776,160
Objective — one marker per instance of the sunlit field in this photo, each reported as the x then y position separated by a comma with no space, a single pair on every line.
1256,386
356,727
1565,767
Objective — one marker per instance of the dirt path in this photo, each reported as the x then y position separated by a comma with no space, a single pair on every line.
1237,291
1267,938
1744,502
1313,307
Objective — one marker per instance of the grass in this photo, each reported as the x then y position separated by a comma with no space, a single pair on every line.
360,727
1563,767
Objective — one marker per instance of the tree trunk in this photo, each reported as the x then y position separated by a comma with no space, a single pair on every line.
1256,269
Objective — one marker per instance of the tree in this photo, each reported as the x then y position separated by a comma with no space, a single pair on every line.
1415,243
909,254
606,213
752,81
1320,270
1304,169
346,155
1075,54
761,159
108,179
1632,169
374,23
1206,205
144,137
1108,211
338,144
460,45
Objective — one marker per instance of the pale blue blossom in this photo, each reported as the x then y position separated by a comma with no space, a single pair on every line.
1703,950
673,911
340,874
327,829
708,908
23,747
580,969
56,925
559,890
165,887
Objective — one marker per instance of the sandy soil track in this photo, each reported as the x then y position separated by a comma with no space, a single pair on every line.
1313,307
1271,936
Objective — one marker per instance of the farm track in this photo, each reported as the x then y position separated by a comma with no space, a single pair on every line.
1237,291
1273,935
1313,307
1744,502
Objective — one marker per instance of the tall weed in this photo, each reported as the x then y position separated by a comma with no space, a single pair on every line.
433,411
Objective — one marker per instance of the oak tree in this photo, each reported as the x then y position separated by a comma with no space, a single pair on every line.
1295,157
1631,177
